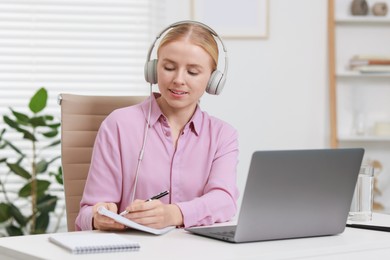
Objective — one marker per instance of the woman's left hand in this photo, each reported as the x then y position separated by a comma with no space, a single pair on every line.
154,214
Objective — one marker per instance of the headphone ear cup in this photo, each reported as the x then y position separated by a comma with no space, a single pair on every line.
215,84
150,71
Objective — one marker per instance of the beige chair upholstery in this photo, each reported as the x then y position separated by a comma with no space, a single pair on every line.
81,117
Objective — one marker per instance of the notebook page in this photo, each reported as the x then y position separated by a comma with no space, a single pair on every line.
132,224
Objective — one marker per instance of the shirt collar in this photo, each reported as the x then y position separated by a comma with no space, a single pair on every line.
196,120
194,124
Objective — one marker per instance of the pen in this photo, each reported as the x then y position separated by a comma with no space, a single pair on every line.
372,227
155,197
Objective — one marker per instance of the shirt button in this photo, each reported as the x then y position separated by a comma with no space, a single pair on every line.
168,134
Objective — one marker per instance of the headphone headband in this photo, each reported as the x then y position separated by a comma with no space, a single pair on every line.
217,79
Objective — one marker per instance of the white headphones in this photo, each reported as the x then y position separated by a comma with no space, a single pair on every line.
217,78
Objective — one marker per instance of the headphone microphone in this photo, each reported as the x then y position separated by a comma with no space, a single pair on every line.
214,86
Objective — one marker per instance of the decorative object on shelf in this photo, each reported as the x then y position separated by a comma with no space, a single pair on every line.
359,7
382,128
359,124
377,206
379,9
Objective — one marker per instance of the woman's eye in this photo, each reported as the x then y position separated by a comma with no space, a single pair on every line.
193,73
169,68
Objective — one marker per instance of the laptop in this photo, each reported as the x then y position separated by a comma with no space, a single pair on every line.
293,194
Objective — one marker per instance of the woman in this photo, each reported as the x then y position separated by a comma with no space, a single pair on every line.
187,152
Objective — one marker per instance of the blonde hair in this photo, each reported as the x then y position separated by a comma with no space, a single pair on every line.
197,35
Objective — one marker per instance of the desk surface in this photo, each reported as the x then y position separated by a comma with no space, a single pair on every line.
179,244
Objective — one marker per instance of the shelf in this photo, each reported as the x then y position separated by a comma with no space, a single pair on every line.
363,138
363,20
357,74
350,35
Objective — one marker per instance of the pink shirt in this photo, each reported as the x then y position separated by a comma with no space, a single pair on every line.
200,174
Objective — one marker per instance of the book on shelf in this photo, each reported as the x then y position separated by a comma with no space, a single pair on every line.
362,61
373,69
88,243
371,57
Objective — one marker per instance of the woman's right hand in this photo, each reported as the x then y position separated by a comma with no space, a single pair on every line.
101,222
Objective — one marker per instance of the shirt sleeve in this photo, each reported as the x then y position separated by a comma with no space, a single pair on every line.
104,179
219,200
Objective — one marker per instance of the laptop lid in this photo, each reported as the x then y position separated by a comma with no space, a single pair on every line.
298,193
294,193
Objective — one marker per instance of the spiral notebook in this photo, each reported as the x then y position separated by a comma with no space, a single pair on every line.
79,243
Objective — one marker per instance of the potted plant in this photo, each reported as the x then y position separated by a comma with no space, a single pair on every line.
33,168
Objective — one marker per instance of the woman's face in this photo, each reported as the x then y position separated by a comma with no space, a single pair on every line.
183,71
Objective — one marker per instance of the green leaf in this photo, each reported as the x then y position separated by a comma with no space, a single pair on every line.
16,126
50,134
59,179
57,142
17,215
17,169
5,212
14,148
54,125
10,122
37,121
29,136
20,159
38,101
41,166
42,186
3,160
48,117
58,175
47,203
14,231
21,118
42,223
55,159
25,191
2,133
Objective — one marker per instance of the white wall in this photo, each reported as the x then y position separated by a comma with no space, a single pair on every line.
276,94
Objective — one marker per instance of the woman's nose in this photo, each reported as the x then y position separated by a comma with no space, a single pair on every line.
179,77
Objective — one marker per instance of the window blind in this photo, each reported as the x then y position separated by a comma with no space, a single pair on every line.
95,47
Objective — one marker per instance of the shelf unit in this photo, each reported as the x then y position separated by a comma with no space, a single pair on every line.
339,76
358,101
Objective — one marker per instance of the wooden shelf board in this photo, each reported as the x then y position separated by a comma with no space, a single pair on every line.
357,74
363,20
363,138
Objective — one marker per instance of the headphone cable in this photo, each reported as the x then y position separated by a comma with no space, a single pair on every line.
141,152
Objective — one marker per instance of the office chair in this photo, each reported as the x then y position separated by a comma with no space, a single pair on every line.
81,117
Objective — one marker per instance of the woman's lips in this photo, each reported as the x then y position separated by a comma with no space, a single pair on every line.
178,92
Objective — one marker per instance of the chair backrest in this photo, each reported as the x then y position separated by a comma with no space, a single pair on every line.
81,117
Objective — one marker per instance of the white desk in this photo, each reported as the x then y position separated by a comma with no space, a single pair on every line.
178,244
